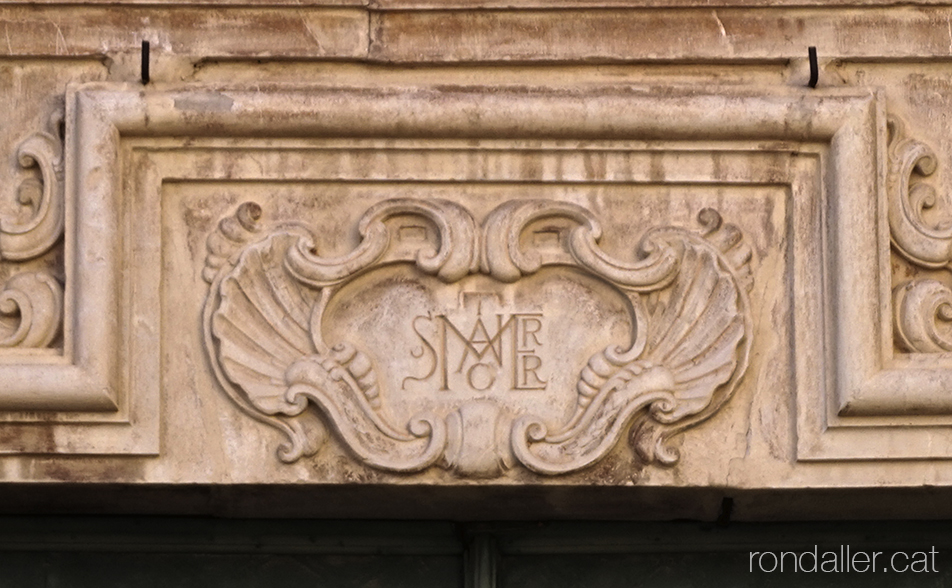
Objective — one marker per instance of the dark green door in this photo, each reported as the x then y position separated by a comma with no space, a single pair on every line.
81,552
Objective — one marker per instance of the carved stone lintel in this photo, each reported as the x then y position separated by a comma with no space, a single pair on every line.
687,347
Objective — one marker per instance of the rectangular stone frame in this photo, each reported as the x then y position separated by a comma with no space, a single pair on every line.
840,269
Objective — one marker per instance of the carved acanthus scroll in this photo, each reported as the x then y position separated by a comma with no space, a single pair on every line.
922,307
25,239
31,303
688,346
923,316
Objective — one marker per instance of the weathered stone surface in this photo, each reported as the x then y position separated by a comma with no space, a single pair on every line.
613,35
548,249
194,31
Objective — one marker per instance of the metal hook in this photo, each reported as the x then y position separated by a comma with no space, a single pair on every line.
145,62
814,68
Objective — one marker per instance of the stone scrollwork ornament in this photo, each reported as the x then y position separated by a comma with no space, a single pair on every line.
923,316
271,291
26,239
31,303
922,307
924,244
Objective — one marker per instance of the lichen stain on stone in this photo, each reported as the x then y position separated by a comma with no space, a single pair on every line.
204,102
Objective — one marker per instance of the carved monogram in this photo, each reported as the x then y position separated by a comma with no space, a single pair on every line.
477,374
511,344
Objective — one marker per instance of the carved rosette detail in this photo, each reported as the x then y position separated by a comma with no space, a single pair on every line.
31,303
922,308
689,345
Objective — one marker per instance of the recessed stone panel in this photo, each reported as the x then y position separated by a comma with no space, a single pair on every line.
459,285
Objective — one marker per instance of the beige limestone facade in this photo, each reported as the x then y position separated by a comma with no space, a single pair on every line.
601,258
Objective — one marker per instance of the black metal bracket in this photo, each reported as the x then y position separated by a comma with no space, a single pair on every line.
145,62
814,68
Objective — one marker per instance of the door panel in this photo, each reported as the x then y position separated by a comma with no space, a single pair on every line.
146,552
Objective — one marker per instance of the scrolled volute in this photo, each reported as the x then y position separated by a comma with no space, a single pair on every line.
25,239
451,255
34,303
507,258
923,316
923,243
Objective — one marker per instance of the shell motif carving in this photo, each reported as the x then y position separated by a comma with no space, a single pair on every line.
688,346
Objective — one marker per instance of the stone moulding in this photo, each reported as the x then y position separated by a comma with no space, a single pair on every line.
79,379
917,314
848,384
264,323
